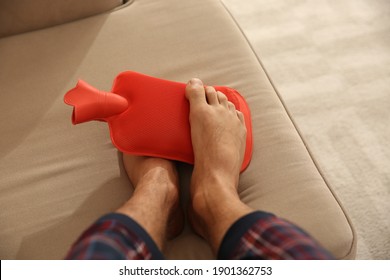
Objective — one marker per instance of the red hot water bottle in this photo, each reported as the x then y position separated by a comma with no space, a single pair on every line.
147,116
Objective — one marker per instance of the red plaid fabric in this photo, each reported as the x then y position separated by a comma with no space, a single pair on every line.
258,235
262,235
115,237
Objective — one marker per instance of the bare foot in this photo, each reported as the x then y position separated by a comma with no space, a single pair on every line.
157,179
218,133
218,136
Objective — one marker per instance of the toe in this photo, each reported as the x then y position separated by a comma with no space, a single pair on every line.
241,117
211,95
231,106
195,92
223,99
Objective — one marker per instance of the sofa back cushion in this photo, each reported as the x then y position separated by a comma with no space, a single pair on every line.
18,16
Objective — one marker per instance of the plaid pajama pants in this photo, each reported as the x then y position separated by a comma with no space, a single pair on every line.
258,235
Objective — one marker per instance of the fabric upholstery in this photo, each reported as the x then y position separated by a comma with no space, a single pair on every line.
18,16
56,179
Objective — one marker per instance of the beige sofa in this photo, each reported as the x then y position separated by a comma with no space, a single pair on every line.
56,179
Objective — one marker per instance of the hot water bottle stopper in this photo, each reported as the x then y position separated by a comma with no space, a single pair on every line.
147,116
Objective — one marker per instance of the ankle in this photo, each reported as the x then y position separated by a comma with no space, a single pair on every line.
139,168
211,197
213,180
158,187
211,213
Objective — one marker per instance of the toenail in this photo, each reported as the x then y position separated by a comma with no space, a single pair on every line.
195,82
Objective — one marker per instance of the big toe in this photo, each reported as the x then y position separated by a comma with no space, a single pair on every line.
195,92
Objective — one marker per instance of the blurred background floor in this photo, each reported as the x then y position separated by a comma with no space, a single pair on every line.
330,61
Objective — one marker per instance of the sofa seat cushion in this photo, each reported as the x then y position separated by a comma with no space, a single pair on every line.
56,179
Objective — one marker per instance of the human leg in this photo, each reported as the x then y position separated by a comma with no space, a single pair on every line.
138,229
233,229
155,201
218,136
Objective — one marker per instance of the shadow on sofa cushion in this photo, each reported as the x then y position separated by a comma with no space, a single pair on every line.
18,16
